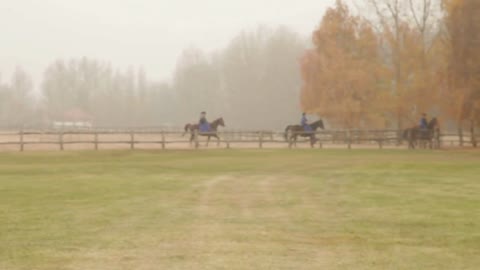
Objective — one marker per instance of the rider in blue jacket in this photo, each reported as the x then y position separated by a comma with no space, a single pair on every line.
424,122
304,123
203,123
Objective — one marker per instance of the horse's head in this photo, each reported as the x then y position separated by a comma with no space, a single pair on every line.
218,122
187,128
317,124
433,123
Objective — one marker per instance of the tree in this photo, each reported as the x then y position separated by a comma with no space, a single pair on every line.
401,25
196,85
343,74
5,98
261,78
462,44
92,87
21,103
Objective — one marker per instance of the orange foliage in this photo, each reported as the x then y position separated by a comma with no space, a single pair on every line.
358,77
462,50
343,75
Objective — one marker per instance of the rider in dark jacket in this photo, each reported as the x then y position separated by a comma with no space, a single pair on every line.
424,122
304,123
203,118
203,123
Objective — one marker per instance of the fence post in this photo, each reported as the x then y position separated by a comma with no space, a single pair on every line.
60,138
380,141
260,140
21,141
163,139
227,140
95,137
349,139
132,140
472,134
460,135
288,137
320,144
195,137
438,139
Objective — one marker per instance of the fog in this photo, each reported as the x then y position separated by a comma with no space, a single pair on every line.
155,39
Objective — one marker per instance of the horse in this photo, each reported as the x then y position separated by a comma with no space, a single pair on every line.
293,131
416,135
212,133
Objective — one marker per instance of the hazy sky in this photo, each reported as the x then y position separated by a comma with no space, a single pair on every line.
148,33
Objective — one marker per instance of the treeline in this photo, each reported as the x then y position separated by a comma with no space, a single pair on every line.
386,69
380,68
17,105
253,83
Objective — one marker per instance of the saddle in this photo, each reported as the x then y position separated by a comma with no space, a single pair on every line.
204,127
307,128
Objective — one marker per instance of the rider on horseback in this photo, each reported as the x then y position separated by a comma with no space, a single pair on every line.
304,123
424,122
203,124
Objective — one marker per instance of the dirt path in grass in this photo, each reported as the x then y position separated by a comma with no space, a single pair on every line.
246,219
234,222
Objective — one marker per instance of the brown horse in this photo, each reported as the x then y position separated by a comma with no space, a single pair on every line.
293,131
212,133
416,136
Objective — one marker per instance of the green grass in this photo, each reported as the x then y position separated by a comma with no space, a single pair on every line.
240,209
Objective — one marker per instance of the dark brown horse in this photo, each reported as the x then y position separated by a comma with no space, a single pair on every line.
423,137
212,133
293,131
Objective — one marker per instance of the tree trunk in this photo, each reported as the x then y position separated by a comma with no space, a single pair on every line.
460,135
472,133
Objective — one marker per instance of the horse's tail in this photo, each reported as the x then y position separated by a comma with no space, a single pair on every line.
187,127
285,135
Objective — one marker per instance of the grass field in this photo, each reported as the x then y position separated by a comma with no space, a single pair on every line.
240,209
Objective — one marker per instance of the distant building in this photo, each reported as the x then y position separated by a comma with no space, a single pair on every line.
74,119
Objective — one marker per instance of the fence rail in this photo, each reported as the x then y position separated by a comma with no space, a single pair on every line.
21,140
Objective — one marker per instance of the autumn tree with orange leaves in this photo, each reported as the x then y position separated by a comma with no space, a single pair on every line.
385,69
461,96
343,78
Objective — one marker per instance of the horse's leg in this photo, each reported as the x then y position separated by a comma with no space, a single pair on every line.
208,140
218,140
414,139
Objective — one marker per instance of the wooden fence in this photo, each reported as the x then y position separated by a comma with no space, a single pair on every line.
95,139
